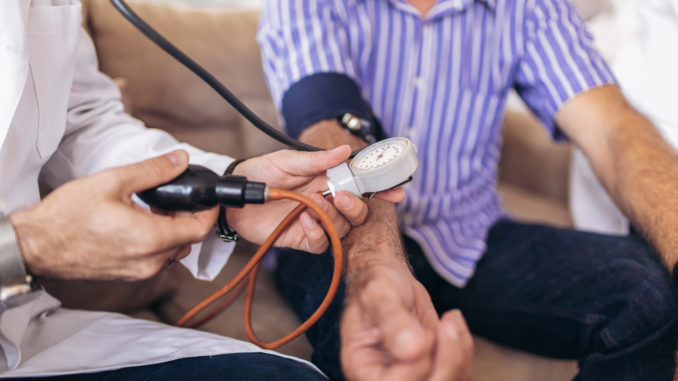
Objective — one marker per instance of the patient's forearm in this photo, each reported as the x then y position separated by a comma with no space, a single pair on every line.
635,164
378,239
644,181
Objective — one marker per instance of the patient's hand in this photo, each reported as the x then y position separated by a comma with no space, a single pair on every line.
302,172
391,331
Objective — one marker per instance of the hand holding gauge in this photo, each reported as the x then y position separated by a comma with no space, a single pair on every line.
384,165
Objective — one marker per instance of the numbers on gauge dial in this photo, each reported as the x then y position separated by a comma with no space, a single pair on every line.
378,157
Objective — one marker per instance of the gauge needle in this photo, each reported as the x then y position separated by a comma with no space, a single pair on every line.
382,153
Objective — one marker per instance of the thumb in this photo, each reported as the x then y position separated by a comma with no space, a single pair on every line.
151,172
311,163
454,355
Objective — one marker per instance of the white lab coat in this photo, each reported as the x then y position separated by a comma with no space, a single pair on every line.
61,117
638,39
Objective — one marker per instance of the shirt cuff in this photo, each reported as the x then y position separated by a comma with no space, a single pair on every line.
209,257
320,97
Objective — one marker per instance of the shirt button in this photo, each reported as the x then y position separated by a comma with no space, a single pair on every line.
418,82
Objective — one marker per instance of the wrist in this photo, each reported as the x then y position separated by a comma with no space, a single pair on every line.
329,134
16,284
367,262
224,230
357,278
26,240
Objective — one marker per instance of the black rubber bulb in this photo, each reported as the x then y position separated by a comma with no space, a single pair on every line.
199,188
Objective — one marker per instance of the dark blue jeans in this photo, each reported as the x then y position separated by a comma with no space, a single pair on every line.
235,366
605,301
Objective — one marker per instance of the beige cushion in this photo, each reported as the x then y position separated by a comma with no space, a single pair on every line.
531,160
165,94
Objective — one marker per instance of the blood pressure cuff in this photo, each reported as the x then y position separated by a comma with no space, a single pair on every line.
325,96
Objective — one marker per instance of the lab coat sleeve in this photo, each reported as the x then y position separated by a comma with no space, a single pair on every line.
100,135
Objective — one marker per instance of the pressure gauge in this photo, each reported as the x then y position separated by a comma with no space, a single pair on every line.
384,165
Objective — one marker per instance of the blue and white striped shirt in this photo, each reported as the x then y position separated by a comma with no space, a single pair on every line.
443,82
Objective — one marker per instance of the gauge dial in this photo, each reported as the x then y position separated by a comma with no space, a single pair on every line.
383,165
382,156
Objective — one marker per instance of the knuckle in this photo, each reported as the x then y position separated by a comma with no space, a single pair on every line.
149,246
359,217
154,167
316,234
148,269
374,289
319,245
344,229
110,179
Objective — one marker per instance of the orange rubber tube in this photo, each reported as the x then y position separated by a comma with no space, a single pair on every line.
252,268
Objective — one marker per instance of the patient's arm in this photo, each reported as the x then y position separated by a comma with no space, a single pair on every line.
380,232
389,328
634,163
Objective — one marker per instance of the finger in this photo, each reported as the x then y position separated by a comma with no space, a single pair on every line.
392,195
315,240
340,223
404,336
454,352
353,208
182,229
150,173
183,253
312,163
139,269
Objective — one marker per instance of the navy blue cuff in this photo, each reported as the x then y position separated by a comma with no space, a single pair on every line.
320,97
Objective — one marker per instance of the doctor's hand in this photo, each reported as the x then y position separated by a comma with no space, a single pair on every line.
91,229
390,331
302,172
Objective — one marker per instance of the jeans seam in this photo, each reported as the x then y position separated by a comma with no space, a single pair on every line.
608,339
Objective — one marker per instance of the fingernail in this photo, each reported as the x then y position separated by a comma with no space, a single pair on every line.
177,157
344,201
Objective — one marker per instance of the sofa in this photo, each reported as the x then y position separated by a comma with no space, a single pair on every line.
159,91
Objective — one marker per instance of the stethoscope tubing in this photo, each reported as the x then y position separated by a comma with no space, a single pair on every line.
208,78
